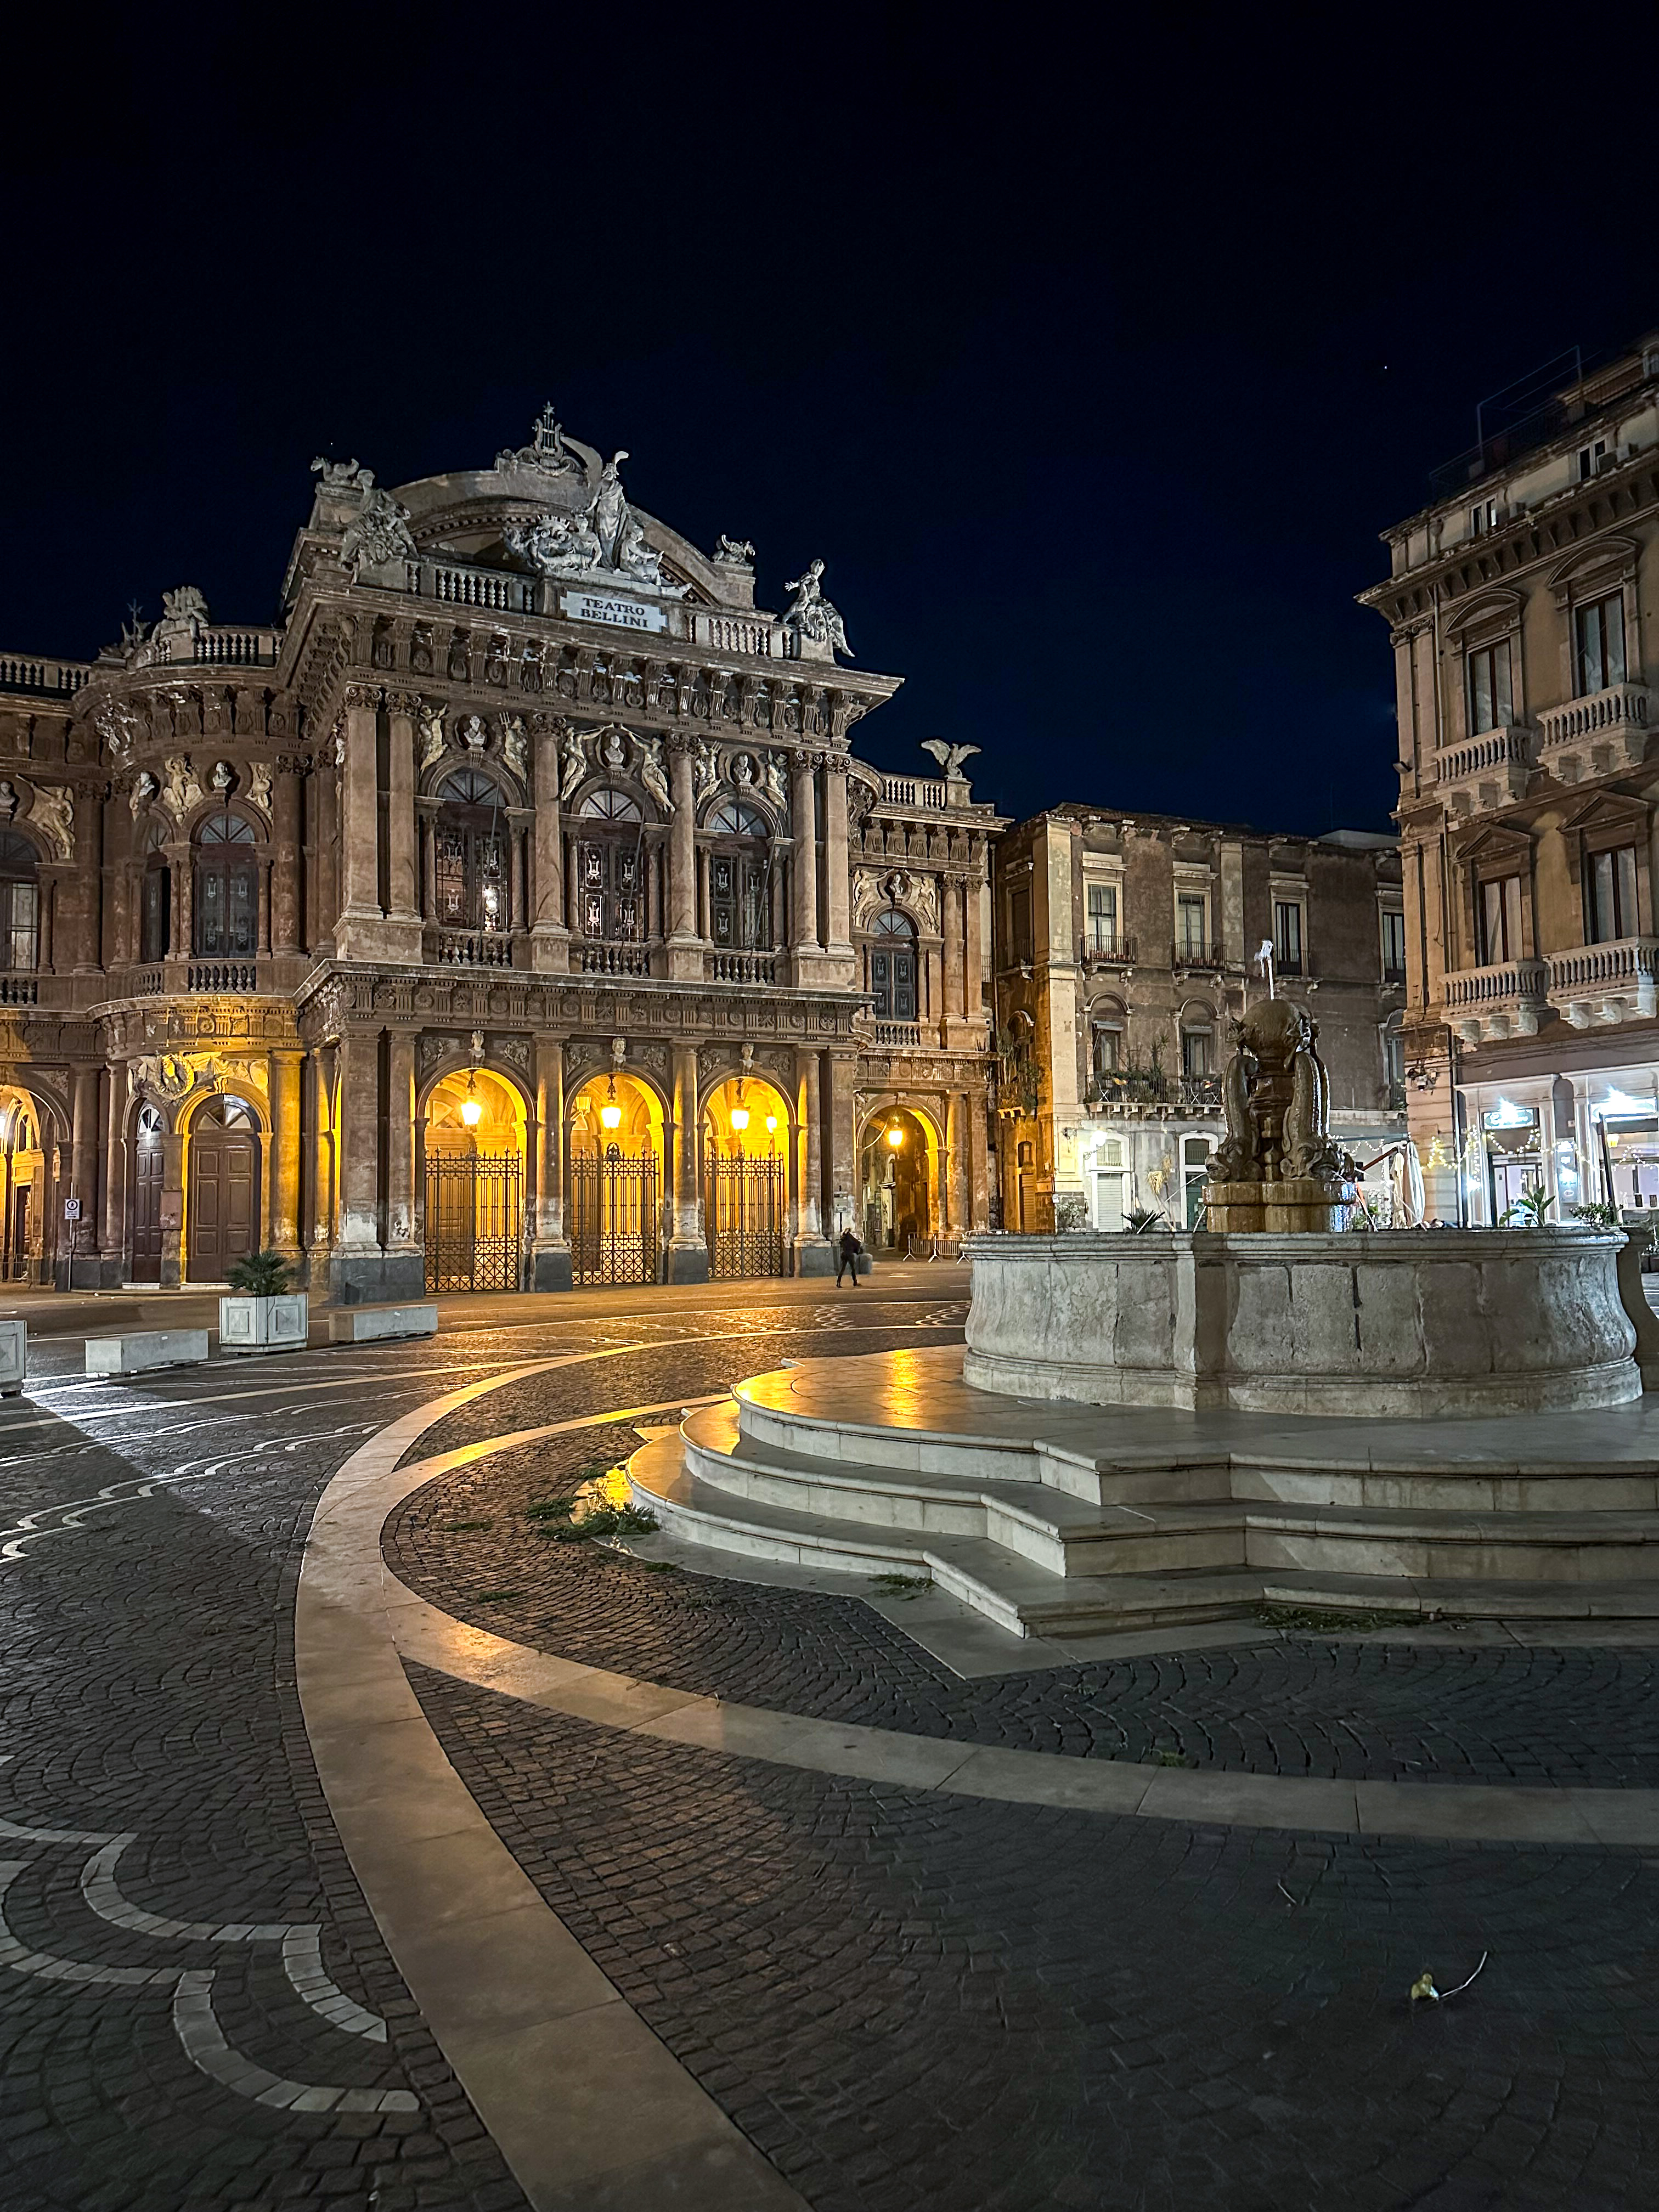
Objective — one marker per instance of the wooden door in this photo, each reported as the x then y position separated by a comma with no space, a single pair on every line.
148,1171
224,1201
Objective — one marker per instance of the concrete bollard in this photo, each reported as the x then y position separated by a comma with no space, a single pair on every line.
146,1348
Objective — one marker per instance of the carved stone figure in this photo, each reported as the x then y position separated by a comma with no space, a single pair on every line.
259,787
8,801
609,507
118,725
515,745
811,616
610,749
52,813
184,790
144,789
336,474
223,777
653,773
186,605
472,733
432,733
741,769
777,781
734,552
1277,1167
573,765
547,451
642,563
378,534
948,757
706,769
555,544
163,1072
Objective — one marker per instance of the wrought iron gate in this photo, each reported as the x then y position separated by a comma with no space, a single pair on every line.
474,1222
613,1213
744,1211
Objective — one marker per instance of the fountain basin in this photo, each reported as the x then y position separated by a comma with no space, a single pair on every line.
1386,1324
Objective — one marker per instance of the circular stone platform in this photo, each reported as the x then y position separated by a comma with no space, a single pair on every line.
1409,1322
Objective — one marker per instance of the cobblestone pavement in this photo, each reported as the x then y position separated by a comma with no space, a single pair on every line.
152,2057
917,2006
903,2001
1301,1706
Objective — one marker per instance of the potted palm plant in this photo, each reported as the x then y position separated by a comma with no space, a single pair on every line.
264,1315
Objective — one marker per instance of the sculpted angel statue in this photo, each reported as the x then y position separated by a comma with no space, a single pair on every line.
653,774
515,747
184,788
643,563
609,507
187,604
574,767
810,615
432,733
53,815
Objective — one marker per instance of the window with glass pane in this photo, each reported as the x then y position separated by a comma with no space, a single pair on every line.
893,967
1190,927
1393,945
1490,702
1019,925
1287,936
1610,881
226,885
470,853
739,907
20,903
1108,1048
1195,1053
1500,921
1394,1062
1599,642
1103,918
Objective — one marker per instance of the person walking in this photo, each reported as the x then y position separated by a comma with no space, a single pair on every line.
850,1247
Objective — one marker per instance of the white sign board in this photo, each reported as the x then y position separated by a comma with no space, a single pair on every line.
626,614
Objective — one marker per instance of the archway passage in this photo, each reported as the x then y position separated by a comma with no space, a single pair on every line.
23,1211
224,1188
746,1180
474,1155
897,1183
615,1182
149,1178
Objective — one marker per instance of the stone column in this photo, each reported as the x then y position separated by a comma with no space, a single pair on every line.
355,1264
813,1255
88,863
803,823
285,1153
955,1192
684,937
181,934
549,936
403,905
974,981
320,1224
950,891
838,882
285,862
841,1142
359,825
115,1178
688,1254
405,1258
174,1141
82,1241
550,1254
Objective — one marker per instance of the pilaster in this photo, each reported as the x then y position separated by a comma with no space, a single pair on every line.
550,934
550,1250
687,1257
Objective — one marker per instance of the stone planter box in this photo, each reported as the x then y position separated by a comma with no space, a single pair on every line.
1392,1322
13,1357
279,1324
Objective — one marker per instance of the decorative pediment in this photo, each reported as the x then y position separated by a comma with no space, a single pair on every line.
1496,843
1606,810
1495,608
1612,552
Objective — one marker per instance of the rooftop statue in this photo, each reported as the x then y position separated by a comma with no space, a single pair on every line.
378,534
811,617
948,757
186,605
734,552
547,451
338,476
605,540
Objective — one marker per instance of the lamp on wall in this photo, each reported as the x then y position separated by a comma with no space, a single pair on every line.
472,1105
610,1112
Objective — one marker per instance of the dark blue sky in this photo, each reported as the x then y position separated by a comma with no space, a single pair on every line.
1093,362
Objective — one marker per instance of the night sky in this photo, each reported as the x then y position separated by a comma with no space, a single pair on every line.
1091,362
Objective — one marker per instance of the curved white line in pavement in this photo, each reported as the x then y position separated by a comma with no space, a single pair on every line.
199,2032
58,1835
302,1941
22,1960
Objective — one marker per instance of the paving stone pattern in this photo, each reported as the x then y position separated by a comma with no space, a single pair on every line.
1304,1706
909,2002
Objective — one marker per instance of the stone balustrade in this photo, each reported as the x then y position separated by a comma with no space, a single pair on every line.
1506,1000
1597,735
1487,771
1611,982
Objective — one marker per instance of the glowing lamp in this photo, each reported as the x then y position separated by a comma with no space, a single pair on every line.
740,1119
896,1136
772,1124
610,1112
472,1105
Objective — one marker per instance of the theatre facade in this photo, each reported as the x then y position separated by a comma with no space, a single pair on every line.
512,913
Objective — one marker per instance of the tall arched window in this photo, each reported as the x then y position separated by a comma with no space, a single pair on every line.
893,966
227,884
155,895
470,876
20,903
739,878
611,866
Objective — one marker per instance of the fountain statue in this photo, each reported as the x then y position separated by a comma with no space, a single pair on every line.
1277,1169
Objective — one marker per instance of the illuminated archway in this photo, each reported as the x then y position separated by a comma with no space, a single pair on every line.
746,1143
473,1155
26,1223
898,1176
614,1180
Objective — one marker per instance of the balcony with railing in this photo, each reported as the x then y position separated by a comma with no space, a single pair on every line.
593,958
1601,735
1486,772
1484,1004
1190,953
899,1036
925,792
1611,982
469,948
263,974
751,968
23,673
497,591
223,646
1106,948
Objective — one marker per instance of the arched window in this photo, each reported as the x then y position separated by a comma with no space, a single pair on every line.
610,866
20,903
155,896
739,878
470,854
893,966
227,884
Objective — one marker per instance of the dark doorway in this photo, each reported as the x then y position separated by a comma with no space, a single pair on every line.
224,1189
148,1171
